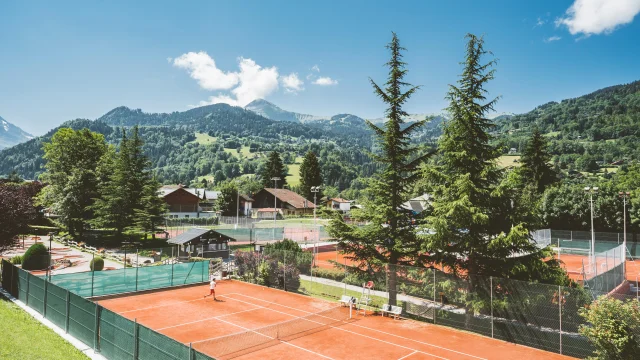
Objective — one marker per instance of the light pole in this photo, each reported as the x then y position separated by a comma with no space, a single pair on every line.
237,203
315,190
591,191
275,200
624,195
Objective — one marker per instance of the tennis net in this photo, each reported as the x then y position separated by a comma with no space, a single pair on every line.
238,344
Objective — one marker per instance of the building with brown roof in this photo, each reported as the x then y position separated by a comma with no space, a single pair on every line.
285,201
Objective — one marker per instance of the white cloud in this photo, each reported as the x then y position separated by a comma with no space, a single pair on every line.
292,83
202,68
552,39
251,82
169,60
325,81
539,22
590,17
315,68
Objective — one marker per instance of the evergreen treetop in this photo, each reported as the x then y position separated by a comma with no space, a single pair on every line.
274,168
310,175
536,161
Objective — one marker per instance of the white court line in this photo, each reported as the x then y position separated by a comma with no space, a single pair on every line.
353,332
282,342
210,318
406,356
375,330
159,306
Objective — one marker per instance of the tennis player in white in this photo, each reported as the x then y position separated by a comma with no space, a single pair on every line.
212,289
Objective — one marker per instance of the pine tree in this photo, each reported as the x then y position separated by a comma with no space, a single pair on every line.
111,206
536,160
310,175
389,237
150,215
274,168
473,225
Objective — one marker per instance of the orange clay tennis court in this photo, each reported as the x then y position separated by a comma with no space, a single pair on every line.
184,315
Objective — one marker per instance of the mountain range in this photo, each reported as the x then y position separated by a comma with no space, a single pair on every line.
11,135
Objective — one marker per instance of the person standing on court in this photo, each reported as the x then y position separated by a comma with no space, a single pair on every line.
212,288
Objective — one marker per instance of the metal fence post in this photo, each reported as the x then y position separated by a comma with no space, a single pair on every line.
434,295
137,266
491,285
135,339
93,273
28,281
190,351
44,301
96,330
560,299
68,305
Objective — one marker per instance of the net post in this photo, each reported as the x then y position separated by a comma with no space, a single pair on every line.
68,305
491,289
560,298
135,339
44,302
96,330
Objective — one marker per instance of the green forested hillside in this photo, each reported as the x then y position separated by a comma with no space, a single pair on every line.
236,139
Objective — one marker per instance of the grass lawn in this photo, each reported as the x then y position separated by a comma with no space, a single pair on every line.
552,134
24,338
334,293
204,139
293,178
508,160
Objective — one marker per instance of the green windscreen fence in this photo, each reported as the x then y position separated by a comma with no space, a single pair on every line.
82,319
117,336
56,305
100,283
154,346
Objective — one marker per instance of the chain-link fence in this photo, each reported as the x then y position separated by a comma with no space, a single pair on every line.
604,241
106,332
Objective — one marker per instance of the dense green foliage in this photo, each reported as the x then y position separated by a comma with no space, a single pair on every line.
72,159
389,237
536,167
36,257
613,327
96,264
227,202
17,209
476,223
310,175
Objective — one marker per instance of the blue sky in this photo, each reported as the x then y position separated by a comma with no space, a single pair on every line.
79,59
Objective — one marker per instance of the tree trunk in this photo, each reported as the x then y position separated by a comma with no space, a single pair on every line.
392,281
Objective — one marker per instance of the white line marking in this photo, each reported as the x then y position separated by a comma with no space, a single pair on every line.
353,332
165,305
406,356
375,330
209,318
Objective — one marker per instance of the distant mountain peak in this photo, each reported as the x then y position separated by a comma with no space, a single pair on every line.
11,135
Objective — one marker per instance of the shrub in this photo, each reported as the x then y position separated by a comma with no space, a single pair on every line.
332,274
16,260
614,328
36,258
96,264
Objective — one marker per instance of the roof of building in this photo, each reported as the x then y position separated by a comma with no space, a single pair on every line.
246,198
291,198
339,200
196,234
417,204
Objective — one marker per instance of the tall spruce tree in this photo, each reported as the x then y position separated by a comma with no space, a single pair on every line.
473,226
536,160
389,236
274,168
150,215
310,175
